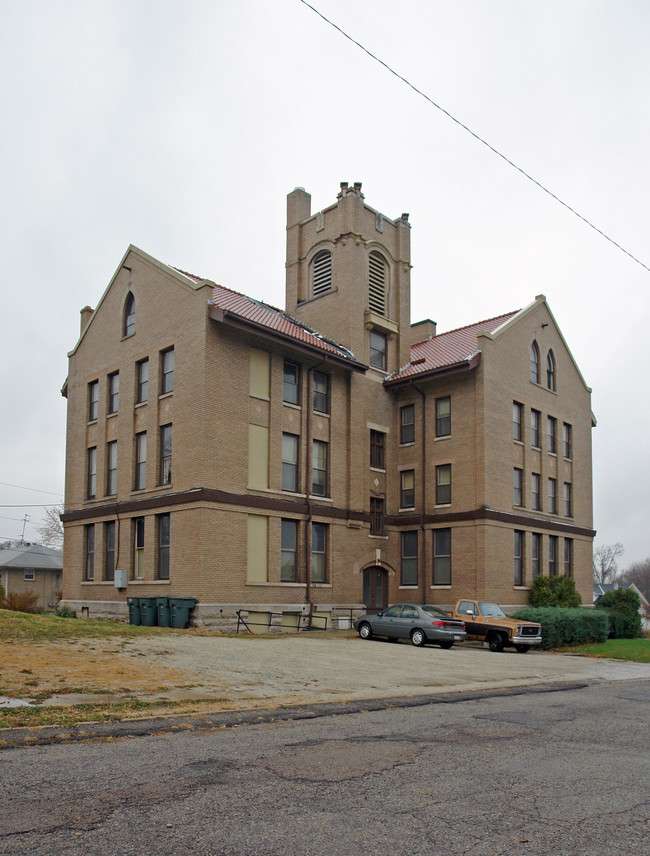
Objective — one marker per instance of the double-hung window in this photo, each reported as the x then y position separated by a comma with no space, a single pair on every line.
407,489
535,428
113,392
288,551
443,484
535,480
167,371
517,421
290,462
568,500
166,454
142,380
91,473
138,548
377,449
376,515
442,557
164,541
443,416
378,349
566,440
552,496
568,557
409,558
319,468
111,468
407,424
89,538
519,558
552,555
537,554
319,552
290,383
518,487
140,481
93,400
109,550
551,434
321,392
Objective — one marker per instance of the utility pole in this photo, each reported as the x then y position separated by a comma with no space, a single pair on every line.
24,524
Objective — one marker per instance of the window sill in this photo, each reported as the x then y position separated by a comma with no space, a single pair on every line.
518,442
112,414
322,413
165,395
440,586
442,505
377,469
444,437
410,588
92,422
260,397
379,537
521,588
291,406
140,403
405,445
406,508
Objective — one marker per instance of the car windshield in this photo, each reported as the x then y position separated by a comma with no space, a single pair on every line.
491,609
437,613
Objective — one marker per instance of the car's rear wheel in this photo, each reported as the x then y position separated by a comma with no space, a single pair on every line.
365,630
445,645
495,641
522,648
418,638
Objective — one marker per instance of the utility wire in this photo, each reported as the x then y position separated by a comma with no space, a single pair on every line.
474,134
47,505
32,489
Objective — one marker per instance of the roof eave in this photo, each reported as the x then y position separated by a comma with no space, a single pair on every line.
466,365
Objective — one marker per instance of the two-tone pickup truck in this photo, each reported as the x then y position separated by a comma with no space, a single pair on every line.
487,622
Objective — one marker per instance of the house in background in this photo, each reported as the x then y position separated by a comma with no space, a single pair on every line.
644,609
32,568
324,459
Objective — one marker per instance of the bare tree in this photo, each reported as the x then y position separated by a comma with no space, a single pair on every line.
605,565
51,530
639,574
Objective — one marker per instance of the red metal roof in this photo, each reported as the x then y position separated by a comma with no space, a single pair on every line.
448,349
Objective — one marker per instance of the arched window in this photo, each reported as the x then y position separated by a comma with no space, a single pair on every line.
550,370
321,273
377,283
129,315
534,363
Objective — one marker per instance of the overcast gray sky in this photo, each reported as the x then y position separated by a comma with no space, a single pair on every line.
181,125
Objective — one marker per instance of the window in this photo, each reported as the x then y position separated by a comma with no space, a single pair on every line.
319,552
129,316
109,550
551,434
535,428
517,421
519,558
550,370
537,554
442,557
376,516
91,480
443,416
29,575
167,371
166,454
89,538
568,500
567,440
321,392
290,462
443,484
164,536
288,546
407,424
111,468
518,487
409,559
377,283
140,481
407,491
568,557
378,349
290,378
535,491
113,392
552,496
142,380
377,449
93,400
138,548
319,468
321,273
552,555
534,363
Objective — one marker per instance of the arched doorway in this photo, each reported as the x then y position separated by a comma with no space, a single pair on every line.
375,588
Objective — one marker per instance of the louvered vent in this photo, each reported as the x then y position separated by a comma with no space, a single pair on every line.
321,272
377,284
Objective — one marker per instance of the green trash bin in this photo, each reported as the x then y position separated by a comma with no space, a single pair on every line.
180,608
162,607
148,611
135,616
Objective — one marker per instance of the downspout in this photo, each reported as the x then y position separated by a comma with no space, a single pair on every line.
308,476
422,565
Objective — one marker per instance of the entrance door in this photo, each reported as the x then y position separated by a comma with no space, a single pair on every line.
375,589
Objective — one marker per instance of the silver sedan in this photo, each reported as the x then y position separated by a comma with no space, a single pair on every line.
420,624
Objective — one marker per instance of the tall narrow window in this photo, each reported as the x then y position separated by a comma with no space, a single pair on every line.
517,421
93,400
407,424
321,392
519,558
91,477
535,479
377,449
537,554
142,380
566,440
552,555
378,349
552,496
443,484
407,489
140,481
290,378
535,428
442,557
288,547
167,371
377,283
443,416
551,434
376,515
518,487
568,500
129,315
111,468
319,552
166,454
534,362
164,540
550,370
409,559
568,557
89,537
113,392
290,462
109,550
138,548
321,273
319,468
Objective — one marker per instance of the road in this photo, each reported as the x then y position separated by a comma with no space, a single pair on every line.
528,774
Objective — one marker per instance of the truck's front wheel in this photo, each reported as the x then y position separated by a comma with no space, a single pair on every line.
495,641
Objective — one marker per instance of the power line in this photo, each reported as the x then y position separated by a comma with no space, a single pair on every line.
47,505
475,135
32,489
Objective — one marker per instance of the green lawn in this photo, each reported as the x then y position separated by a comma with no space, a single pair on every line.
636,650
15,626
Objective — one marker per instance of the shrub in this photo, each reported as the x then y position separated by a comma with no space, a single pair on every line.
24,602
554,591
622,606
572,626
65,612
